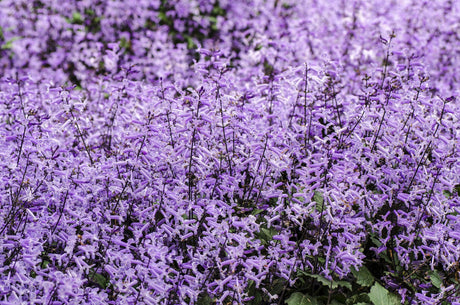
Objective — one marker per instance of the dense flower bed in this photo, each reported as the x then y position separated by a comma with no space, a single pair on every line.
229,152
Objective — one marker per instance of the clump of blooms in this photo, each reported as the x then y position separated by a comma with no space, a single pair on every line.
229,152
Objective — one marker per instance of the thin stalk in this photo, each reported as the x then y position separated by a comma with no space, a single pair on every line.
223,128
167,115
61,211
386,61
81,136
428,146
258,167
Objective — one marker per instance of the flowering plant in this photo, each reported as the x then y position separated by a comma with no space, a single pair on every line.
229,152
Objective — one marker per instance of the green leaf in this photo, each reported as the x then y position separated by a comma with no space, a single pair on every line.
212,19
125,43
298,298
204,299
393,299
190,43
447,194
363,276
268,68
380,296
255,292
435,279
45,264
361,298
319,199
9,44
101,280
321,279
163,18
77,18
457,188
267,233
218,11
376,241
278,286
89,12
327,282
342,284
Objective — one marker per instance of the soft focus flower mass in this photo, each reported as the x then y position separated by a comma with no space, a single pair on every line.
229,152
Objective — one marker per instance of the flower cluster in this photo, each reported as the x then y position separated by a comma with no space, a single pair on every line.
229,152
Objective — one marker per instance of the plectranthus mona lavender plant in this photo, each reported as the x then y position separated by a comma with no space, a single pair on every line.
229,152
